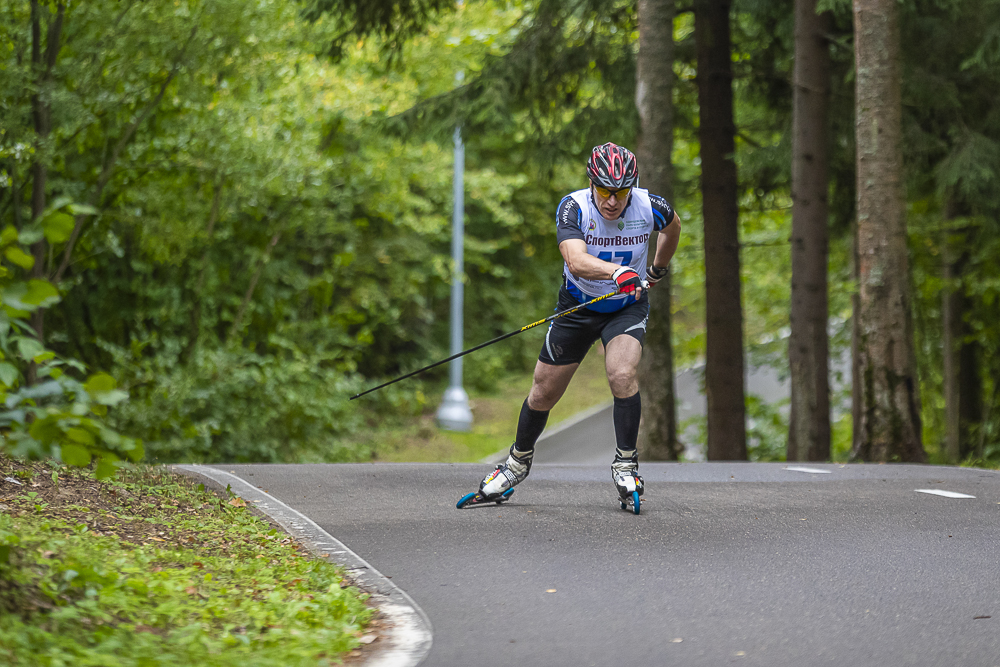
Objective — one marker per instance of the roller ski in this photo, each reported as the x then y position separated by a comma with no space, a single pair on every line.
477,498
624,472
499,485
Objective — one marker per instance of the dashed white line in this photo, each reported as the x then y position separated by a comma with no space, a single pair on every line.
946,494
815,471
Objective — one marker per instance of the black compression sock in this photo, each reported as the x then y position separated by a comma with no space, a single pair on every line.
530,425
627,412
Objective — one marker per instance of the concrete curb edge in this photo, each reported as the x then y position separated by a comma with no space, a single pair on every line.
410,635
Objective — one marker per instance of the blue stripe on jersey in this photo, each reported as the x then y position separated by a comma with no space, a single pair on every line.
606,306
661,208
661,221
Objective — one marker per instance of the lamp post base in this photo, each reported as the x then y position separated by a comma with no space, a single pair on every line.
454,413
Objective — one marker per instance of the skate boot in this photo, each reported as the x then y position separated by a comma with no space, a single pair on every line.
624,472
507,475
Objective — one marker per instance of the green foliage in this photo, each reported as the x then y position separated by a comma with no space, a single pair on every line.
953,153
268,232
393,21
260,246
235,405
767,429
58,416
564,82
239,592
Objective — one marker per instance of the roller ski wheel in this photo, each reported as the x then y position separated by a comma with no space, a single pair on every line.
631,502
476,498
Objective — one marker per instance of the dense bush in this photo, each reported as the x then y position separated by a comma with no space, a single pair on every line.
235,405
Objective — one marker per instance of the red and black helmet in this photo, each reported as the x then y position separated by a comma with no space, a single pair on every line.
612,166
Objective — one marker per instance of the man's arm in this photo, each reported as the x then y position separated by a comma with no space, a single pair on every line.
666,246
573,246
583,264
666,243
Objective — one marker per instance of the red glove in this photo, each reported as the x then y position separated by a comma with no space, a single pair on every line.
627,280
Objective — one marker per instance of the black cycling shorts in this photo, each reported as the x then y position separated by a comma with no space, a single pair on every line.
570,337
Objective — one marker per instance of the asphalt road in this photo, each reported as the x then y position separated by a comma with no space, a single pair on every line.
729,563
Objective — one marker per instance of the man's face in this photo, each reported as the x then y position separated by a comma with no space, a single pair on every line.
610,206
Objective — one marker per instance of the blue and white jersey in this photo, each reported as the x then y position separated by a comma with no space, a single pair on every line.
622,241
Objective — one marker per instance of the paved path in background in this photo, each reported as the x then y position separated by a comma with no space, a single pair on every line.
728,564
590,436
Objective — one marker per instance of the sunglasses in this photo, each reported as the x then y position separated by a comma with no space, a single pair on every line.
620,193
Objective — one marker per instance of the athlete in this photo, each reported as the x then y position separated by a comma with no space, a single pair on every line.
602,233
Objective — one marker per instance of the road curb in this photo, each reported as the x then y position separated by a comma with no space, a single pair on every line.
410,634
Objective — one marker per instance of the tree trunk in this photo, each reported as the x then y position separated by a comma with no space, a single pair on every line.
970,393
951,319
724,380
963,383
654,100
41,65
889,408
808,345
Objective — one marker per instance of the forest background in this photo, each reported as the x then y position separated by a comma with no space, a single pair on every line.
227,217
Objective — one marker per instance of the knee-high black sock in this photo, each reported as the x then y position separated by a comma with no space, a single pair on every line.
530,425
627,412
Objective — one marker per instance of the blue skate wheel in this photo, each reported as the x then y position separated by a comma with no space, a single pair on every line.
624,504
505,496
635,499
464,500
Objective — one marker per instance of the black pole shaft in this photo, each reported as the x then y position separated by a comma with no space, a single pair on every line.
487,343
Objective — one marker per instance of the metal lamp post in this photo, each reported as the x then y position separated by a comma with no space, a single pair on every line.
454,413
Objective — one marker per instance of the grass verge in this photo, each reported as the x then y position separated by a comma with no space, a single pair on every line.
151,569
494,419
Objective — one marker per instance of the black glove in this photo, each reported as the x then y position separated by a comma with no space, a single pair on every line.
627,280
654,274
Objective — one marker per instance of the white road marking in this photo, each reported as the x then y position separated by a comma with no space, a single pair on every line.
812,470
946,494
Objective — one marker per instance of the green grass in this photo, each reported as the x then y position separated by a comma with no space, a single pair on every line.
494,419
151,570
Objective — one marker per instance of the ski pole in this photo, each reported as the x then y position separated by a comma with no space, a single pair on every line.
490,342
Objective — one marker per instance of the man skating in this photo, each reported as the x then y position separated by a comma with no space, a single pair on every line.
602,233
